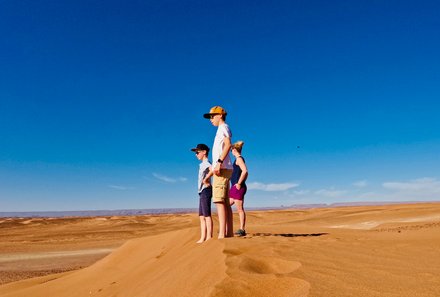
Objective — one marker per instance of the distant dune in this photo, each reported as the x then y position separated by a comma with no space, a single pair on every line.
391,250
94,213
156,211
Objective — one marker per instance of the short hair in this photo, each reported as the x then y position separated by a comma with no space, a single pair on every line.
238,146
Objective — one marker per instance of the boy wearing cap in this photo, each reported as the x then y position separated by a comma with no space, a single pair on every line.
205,192
222,170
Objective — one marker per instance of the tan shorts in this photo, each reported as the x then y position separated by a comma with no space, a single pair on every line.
220,186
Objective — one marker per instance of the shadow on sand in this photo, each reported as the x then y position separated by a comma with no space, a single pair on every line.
288,234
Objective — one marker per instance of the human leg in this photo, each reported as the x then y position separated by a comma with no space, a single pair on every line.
221,212
236,196
205,212
202,229
221,199
241,213
229,221
208,221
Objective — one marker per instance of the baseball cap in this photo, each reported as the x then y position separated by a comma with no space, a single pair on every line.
215,110
201,147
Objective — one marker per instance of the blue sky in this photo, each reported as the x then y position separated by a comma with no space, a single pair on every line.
100,101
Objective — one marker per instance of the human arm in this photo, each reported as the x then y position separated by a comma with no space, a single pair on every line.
207,179
225,151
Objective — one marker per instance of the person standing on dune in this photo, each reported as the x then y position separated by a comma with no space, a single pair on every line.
222,170
238,185
205,192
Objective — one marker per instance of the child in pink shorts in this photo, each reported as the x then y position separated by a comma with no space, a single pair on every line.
238,185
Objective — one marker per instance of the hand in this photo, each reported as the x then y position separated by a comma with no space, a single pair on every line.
206,182
217,169
238,186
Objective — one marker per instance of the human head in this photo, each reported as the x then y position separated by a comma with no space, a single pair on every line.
201,150
216,115
238,146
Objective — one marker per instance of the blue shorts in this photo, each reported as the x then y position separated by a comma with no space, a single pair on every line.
205,202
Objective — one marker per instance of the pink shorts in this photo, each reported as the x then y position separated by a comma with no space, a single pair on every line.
237,194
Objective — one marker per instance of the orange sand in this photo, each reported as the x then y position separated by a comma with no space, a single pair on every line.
348,251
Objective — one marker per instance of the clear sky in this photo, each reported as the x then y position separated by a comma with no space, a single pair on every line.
101,101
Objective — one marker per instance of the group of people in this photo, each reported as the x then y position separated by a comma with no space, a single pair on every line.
229,179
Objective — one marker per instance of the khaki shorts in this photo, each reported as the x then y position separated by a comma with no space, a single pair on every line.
220,186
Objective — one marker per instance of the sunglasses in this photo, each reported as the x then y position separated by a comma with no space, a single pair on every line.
211,116
197,152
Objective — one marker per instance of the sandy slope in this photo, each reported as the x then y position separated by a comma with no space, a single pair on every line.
349,251
54,245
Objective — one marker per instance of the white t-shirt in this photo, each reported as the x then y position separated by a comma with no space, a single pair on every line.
204,169
219,140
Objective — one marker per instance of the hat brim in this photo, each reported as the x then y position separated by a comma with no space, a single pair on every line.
208,115
194,149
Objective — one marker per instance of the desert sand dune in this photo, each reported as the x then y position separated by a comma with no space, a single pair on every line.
286,253
160,265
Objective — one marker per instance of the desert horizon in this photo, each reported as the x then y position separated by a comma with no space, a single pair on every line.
170,210
374,250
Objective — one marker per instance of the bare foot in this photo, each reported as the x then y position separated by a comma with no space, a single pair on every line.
220,237
200,241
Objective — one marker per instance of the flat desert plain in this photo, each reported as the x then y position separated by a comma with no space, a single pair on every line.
391,250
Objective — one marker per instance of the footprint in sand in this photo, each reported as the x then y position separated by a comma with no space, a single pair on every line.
270,265
260,275
232,252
